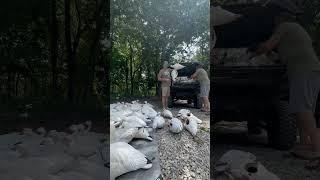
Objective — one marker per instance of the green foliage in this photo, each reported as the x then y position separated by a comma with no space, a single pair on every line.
145,33
26,68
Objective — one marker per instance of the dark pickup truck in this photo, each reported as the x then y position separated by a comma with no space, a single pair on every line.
257,94
185,89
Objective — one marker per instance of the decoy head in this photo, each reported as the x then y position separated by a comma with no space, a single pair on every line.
27,131
41,130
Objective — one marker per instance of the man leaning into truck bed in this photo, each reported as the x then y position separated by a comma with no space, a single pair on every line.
295,49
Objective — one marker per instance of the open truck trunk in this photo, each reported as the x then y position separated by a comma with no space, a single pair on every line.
254,93
187,89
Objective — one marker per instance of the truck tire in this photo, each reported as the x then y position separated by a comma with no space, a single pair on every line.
317,112
282,129
170,102
198,102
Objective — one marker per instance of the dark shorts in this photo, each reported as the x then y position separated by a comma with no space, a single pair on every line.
304,91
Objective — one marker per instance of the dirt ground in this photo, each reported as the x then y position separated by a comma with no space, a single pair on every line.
278,162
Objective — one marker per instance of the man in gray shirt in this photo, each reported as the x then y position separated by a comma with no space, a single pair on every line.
303,67
202,76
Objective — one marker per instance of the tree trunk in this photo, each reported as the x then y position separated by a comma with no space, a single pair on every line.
127,77
95,43
70,55
9,86
131,70
17,84
53,39
106,10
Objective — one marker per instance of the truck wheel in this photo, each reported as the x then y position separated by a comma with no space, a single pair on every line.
198,102
317,112
282,129
170,101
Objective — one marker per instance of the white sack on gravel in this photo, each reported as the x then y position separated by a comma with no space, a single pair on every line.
124,158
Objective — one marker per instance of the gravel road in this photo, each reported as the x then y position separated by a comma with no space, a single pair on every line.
181,157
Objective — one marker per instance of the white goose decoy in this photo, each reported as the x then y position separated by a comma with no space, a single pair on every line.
175,125
148,104
9,140
122,134
143,133
135,106
90,169
133,122
71,176
33,167
167,114
56,136
124,158
30,144
183,112
158,122
80,145
192,126
191,116
9,155
141,116
148,111
41,131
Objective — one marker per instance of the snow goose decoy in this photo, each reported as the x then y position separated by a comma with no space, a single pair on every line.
167,114
191,126
122,134
124,158
149,112
141,116
143,133
158,122
191,116
183,112
175,125
133,122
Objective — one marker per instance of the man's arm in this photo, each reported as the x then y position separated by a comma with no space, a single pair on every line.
272,43
159,75
162,79
267,46
194,75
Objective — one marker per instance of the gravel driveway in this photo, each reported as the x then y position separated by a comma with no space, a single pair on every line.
184,158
